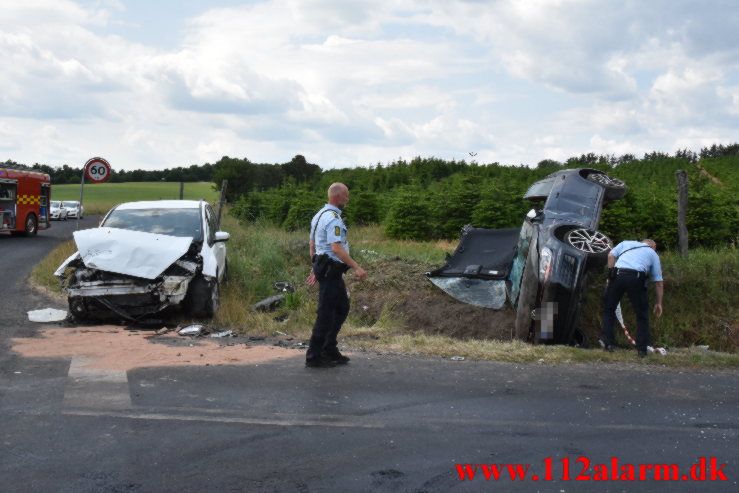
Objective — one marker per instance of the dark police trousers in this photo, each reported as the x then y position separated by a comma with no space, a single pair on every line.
333,308
636,287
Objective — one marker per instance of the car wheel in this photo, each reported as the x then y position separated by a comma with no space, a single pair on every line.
78,308
31,225
202,297
614,188
594,243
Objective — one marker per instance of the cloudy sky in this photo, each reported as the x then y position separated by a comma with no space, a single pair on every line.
163,83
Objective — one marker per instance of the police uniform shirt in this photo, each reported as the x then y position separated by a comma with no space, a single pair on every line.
328,227
641,257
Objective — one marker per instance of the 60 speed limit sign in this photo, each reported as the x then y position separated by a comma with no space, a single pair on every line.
97,170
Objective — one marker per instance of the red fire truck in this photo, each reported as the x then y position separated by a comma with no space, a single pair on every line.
24,201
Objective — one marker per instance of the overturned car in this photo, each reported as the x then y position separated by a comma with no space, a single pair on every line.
145,258
540,268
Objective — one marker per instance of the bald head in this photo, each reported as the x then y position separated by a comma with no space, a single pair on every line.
651,243
338,195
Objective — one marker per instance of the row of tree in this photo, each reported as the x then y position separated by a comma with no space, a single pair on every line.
245,176
430,198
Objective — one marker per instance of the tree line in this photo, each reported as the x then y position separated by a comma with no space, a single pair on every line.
429,198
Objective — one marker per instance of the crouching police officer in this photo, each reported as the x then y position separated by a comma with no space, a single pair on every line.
329,252
630,263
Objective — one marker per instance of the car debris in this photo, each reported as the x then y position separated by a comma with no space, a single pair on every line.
457,358
192,330
47,315
268,304
224,333
284,286
541,268
145,258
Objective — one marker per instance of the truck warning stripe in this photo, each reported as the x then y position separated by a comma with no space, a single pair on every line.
29,199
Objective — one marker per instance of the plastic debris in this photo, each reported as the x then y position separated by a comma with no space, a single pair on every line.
268,304
191,330
703,347
457,358
224,333
47,315
284,286
659,350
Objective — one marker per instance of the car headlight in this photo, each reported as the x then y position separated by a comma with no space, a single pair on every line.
545,264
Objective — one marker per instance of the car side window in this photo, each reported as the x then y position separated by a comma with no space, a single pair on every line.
210,218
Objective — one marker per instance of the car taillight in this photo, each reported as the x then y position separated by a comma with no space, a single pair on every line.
545,264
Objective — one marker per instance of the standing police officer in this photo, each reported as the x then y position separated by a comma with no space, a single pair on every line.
629,265
329,252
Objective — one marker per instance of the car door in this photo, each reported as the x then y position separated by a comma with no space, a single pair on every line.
477,271
218,248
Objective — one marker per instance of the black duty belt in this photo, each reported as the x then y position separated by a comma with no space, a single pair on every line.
632,272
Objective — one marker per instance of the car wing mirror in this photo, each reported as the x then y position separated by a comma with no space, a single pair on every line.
222,236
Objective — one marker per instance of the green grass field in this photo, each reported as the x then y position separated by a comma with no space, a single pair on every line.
99,198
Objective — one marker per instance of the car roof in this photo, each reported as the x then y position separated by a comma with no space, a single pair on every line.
160,204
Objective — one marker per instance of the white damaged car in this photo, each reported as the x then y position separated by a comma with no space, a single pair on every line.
147,257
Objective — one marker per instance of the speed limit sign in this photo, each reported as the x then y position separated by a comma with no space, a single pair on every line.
97,170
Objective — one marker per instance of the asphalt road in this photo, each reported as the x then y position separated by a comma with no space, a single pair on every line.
382,423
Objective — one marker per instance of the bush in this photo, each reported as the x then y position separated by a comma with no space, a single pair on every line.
409,215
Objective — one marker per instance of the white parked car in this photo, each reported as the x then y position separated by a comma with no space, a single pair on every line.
58,211
146,257
74,208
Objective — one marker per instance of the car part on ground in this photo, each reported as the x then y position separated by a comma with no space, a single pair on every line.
543,265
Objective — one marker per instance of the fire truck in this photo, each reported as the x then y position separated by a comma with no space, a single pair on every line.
24,201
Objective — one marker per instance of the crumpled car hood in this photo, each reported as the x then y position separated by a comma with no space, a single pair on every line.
132,253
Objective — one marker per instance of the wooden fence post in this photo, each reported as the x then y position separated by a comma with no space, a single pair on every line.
224,184
182,190
682,212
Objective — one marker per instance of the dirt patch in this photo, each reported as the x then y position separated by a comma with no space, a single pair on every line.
400,288
114,348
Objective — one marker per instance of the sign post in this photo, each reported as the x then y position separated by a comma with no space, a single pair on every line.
97,170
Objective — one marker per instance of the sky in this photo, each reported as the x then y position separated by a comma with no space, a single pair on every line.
154,84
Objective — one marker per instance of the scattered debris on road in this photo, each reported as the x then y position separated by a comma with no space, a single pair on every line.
224,333
47,315
192,330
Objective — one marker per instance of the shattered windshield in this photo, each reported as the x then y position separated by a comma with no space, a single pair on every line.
71,205
172,222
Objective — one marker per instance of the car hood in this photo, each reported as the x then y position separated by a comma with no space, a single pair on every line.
127,252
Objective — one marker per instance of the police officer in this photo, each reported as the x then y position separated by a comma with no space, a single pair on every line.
329,251
630,263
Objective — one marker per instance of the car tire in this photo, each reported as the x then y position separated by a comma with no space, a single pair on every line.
527,296
31,225
78,309
202,297
614,188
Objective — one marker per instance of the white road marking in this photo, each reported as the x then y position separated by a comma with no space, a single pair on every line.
93,388
219,419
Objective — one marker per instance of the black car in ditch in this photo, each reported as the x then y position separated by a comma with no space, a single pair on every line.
540,268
